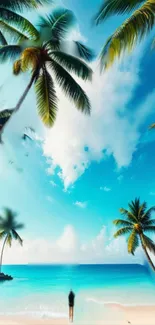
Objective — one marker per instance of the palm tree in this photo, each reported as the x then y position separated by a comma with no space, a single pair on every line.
12,22
49,62
8,230
137,222
134,29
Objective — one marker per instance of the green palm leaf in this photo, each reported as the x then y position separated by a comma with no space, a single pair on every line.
9,52
17,237
2,234
147,215
46,98
72,64
84,52
58,22
133,242
128,214
9,240
122,231
7,30
120,222
134,29
149,222
111,7
148,243
2,39
22,4
70,87
152,126
149,229
21,24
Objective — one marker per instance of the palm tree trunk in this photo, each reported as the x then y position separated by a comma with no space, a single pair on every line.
147,255
19,103
1,258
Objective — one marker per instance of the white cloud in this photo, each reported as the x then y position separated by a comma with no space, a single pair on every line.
81,205
105,132
105,188
69,249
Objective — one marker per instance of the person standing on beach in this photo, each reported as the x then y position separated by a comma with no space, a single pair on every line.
71,298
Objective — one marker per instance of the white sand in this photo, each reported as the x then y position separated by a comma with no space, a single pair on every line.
116,315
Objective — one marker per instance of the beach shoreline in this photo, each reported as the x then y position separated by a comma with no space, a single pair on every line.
118,315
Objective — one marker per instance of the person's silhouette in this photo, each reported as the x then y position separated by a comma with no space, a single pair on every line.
71,298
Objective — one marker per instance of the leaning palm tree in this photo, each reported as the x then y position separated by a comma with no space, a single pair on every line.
8,230
136,223
13,23
49,62
134,29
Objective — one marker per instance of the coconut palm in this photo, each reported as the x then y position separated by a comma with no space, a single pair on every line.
134,29
8,230
13,23
50,63
136,223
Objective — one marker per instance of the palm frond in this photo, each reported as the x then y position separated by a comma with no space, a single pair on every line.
111,7
52,45
152,126
122,231
20,23
146,217
149,222
125,37
11,32
2,234
4,117
148,243
3,41
9,240
72,64
58,22
19,5
17,237
149,229
70,87
133,242
130,216
9,52
46,98
84,52
121,222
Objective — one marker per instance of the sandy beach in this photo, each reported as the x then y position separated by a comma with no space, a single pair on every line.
117,315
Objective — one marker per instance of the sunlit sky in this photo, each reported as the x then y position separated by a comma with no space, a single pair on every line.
69,184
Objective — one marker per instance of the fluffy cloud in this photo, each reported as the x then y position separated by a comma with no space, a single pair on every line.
104,132
81,204
68,249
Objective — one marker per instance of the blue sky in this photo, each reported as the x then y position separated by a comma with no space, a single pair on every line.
69,187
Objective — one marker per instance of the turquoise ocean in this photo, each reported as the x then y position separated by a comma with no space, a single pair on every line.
42,290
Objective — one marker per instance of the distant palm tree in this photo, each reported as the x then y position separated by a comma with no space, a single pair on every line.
133,30
137,222
8,230
12,22
48,60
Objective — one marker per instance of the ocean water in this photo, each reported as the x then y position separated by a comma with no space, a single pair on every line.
42,290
